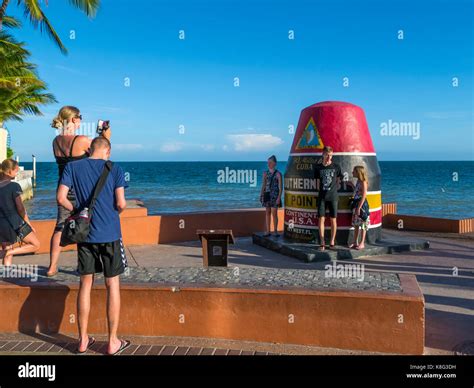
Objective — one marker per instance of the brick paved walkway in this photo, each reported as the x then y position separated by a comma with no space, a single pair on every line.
41,347
59,344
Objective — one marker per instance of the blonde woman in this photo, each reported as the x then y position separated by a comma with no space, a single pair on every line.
14,223
68,146
360,207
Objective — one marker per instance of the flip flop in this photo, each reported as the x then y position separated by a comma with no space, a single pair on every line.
124,344
89,344
353,246
322,248
331,246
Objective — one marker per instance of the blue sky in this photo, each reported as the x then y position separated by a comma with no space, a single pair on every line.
176,84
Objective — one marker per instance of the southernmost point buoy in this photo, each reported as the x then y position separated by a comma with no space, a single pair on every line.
343,127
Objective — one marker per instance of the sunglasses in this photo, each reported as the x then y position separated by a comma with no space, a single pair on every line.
79,117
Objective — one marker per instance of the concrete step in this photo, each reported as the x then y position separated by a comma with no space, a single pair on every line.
310,253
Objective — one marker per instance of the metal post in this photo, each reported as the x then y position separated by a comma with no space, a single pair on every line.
34,170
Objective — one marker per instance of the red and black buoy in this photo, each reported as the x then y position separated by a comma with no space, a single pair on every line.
343,127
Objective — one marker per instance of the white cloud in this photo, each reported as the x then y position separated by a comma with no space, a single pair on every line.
171,147
254,142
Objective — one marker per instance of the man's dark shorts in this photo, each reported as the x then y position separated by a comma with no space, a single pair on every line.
330,204
108,258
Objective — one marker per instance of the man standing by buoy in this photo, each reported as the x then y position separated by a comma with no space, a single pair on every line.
328,176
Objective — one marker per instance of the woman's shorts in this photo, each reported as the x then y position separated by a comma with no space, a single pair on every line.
10,235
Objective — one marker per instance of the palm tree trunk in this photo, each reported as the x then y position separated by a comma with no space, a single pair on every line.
3,9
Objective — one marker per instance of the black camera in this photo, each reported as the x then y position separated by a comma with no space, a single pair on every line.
102,125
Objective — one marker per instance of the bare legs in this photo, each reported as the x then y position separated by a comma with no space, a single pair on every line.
355,244
362,240
275,219
30,244
333,231
113,311
269,213
83,309
268,219
55,250
322,230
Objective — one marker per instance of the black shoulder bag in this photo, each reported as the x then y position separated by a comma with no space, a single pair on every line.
77,226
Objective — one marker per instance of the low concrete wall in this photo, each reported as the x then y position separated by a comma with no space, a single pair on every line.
140,229
25,179
137,228
391,322
428,224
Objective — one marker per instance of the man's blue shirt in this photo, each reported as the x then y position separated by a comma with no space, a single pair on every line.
82,176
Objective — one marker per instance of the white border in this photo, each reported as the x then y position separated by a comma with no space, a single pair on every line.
316,210
334,153
328,227
343,194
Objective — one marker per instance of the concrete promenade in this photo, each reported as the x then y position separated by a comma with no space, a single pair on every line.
449,296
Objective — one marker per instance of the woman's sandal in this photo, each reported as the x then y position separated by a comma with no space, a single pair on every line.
353,246
322,248
51,274
89,344
124,344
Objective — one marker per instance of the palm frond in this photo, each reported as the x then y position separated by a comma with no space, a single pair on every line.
89,7
32,11
11,22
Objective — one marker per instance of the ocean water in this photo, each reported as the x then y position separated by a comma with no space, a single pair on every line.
437,189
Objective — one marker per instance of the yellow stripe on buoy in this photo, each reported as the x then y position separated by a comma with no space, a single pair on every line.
309,201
